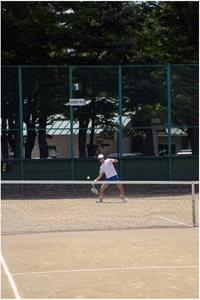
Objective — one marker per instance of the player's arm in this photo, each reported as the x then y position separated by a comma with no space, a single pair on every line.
99,177
113,160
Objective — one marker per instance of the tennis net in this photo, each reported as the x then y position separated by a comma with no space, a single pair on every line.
47,206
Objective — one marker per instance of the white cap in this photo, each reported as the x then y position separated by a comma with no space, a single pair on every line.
100,156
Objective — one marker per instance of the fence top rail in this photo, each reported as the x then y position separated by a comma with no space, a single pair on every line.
101,66
92,182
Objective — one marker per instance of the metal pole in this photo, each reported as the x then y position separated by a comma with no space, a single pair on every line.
169,120
193,204
71,124
120,122
21,124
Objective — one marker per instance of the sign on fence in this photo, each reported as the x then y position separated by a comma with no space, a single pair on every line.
76,102
76,86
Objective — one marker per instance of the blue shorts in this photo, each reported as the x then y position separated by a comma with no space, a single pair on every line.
113,178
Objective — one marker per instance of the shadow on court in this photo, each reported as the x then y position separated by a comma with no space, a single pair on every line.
140,264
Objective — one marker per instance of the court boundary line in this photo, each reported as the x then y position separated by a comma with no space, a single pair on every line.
167,219
10,279
104,269
175,221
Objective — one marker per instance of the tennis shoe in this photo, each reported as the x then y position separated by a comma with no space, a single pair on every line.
123,198
99,200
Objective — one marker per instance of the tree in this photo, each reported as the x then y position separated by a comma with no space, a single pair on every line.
99,86
29,33
10,112
94,33
94,30
100,35
173,30
185,103
170,33
45,91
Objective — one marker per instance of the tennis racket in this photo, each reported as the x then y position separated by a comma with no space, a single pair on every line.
94,190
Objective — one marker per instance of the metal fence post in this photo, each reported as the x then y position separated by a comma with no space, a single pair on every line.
71,124
120,122
21,124
193,204
169,120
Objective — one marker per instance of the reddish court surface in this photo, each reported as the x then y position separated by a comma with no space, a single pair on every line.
116,264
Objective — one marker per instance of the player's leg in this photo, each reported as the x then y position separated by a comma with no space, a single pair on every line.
101,192
121,188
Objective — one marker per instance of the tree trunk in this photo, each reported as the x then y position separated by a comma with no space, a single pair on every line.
17,147
91,148
82,136
30,116
4,144
144,143
148,146
92,133
193,120
193,138
14,137
42,137
29,143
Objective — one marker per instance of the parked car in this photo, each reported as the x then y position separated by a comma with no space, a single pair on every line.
126,154
185,152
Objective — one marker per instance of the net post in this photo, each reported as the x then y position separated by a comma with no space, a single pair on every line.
120,122
193,204
21,122
71,123
169,120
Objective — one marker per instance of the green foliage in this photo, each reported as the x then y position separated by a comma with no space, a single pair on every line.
101,33
176,37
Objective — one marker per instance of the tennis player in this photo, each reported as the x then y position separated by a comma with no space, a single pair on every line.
111,175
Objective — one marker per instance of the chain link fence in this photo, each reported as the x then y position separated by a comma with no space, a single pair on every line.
56,119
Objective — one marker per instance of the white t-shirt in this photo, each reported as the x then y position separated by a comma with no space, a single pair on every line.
108,168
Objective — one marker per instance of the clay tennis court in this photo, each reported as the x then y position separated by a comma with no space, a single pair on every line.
48,253
144,263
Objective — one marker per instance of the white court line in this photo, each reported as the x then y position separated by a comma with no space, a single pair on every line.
104,269
175,221
168,219
14,288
